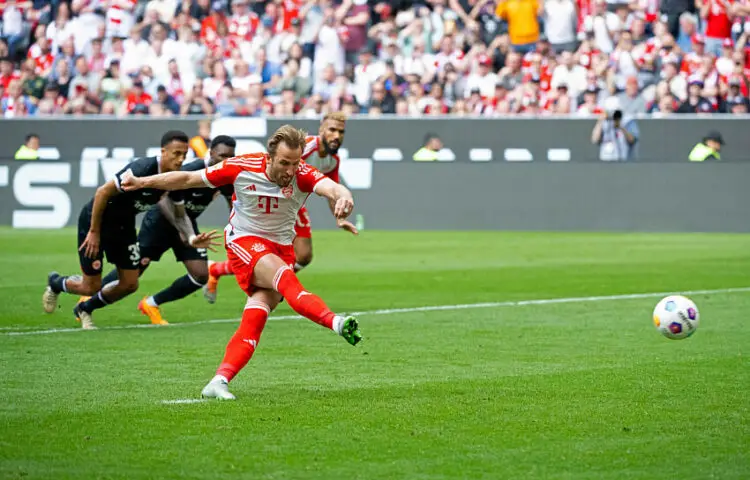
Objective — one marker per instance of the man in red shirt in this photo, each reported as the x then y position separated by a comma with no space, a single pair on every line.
138,101
718,17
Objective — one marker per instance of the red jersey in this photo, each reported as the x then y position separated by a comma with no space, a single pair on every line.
243,27
260,207
691,63
6,79
718,24
142,99
328,165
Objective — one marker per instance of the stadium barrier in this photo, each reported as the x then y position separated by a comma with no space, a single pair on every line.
509,174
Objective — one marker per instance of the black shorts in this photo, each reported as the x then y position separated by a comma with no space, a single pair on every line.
118,241
157,236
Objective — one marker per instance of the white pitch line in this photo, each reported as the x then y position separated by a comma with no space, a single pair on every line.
429,308
183,401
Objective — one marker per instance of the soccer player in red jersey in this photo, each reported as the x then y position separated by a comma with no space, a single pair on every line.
269,191
321,151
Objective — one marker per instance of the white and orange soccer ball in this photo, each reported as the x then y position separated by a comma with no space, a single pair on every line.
676,317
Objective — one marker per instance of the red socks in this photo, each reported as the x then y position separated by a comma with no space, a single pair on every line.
244,341
303,302
220,269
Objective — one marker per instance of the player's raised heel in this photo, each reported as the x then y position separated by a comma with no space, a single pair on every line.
217,388
49,297
153,313
209,289
350,330
87,321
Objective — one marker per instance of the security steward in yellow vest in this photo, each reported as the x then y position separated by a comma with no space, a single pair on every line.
30,149
708,149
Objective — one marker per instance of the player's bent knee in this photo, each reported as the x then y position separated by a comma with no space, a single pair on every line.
200,279
304,258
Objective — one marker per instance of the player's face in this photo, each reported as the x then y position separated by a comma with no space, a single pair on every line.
172,155
283,166
220,153
332,133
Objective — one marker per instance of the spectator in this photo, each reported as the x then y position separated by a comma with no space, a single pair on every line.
270,73
718,17
33,84
570,74
673,9
707,149
30,148
196,102
430,149
52,103
615,136
560,24
62,29
589,106
85,81
695,102
353,16
326,84
15,103
293,81
329,48
738,105
166,101
382,99
62,78
688,32
523,26
137,101
483,79
631,100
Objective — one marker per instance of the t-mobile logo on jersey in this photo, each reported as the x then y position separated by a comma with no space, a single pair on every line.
268,204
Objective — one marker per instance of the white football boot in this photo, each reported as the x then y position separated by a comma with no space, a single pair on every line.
218,387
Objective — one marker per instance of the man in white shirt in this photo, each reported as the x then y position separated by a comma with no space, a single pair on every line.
569,73
483,78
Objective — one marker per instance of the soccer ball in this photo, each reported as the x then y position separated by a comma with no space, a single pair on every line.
676,317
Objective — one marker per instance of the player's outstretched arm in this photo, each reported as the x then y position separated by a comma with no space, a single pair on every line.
90,245
339,195
178,217
163,181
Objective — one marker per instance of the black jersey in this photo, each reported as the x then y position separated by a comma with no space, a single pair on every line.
198,199
129,204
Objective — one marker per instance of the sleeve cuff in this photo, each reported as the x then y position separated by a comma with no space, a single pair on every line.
205,179
117,183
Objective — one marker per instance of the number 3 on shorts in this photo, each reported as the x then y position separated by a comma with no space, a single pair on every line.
135,252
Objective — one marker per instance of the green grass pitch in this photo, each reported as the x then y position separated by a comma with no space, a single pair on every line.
577,390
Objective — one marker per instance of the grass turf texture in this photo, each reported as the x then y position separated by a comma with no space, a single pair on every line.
567,391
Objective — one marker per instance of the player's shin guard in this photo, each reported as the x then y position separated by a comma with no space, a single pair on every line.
303,302
94,303
244,341
220,269
180,288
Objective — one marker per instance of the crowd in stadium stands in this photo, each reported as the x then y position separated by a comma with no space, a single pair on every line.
428,57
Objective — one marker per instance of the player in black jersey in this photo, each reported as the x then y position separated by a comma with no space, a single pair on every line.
159,232
106,225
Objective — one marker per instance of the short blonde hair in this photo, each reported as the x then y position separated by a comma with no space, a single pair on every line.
335,116
290,136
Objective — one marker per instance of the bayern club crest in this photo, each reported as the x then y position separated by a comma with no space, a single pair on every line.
287,191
